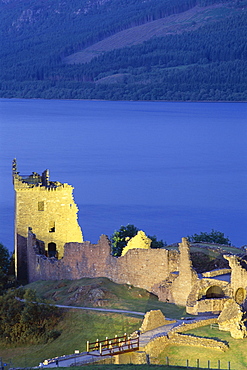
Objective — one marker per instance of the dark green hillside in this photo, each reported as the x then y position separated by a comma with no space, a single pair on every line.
141,50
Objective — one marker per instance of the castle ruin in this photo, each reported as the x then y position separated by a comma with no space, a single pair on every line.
49,246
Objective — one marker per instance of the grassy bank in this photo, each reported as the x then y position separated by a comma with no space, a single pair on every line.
76,328
101,292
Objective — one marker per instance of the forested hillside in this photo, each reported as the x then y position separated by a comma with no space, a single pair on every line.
124,49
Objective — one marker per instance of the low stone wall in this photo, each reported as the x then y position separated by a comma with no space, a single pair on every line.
217,272
156,346
191,340
185,326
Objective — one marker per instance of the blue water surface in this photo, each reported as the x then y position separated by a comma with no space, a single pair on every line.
172,169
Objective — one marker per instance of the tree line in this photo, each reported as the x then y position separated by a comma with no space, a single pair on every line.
208,63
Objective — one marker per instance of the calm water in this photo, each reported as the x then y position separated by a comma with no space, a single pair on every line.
171,169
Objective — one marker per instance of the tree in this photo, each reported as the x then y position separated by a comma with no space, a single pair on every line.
120,239
157,243
26,319
213,237
4,266
4,259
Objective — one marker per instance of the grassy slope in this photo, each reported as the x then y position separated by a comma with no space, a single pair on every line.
177,23
119,296
78,326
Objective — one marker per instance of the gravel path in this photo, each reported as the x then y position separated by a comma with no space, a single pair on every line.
103,309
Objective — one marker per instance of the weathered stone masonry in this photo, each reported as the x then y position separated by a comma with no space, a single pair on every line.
150,269
49,246
48,208
143,268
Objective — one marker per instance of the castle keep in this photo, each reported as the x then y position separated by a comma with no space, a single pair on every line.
49,246
48,208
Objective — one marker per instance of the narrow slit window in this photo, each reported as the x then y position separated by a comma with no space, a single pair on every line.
52,228
41,206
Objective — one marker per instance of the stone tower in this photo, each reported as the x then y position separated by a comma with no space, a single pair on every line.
48,208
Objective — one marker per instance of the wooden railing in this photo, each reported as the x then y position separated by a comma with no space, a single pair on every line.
113,346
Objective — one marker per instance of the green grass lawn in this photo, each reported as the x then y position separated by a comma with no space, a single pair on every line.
128,367
236,354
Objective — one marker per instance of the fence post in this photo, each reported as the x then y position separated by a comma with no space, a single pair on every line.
187,363
219,364
198,363
208,364
167,360
147,359
87,346
229,365
100,348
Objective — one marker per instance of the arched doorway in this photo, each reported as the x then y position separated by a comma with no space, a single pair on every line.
240,295
52,250
215,292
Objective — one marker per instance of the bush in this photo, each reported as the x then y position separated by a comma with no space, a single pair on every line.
26,319
216,237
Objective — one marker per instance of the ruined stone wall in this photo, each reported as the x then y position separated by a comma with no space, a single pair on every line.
87,261
187,277
214,305
238,279
154,319
144,268
197,301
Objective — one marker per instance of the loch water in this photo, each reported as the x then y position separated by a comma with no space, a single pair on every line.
171,169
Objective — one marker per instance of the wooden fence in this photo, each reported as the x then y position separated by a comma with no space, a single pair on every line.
113,346
197,364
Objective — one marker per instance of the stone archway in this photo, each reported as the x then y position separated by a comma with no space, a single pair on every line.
215,292
240,295
52,250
